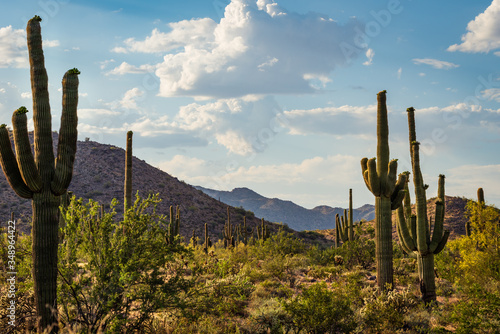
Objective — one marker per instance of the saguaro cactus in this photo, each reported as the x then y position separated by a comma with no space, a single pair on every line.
173,226
379,175
243,231
227,232
263,232
414,230
345,223
127,196
208,243
42,178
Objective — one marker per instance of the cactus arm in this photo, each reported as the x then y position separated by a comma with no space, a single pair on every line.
407,199
364,172
391,178
404,247
338,223
442,243
399,191
404,235
10,167
24,156
422,226
68,134
437,235
397,199
373,177
44,154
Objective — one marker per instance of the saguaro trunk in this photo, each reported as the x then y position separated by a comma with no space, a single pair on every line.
383,244
426,277
45,234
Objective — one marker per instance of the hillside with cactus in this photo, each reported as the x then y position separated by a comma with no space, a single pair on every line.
99,173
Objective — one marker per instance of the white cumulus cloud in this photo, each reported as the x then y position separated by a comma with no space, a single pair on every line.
126,68
369,55
274,50
13,50
483,33
331,120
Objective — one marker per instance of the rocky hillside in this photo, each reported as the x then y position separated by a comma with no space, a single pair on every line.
287,212
99,175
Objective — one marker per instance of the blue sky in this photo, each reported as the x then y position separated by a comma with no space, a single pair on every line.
277,96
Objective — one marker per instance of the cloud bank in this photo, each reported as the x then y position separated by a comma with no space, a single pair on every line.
256,48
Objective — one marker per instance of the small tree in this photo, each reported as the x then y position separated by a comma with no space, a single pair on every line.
114,281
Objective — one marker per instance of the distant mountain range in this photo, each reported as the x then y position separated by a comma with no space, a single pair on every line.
99,174
287,212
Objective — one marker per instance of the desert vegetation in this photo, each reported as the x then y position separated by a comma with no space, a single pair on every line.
87,267
124,276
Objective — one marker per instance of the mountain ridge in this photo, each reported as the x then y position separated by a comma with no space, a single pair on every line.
321,217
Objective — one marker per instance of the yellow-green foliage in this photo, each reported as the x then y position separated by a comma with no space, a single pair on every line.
472,263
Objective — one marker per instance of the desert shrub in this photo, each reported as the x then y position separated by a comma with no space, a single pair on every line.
280,243
360,252
268,317
479,310
222,297
284,267
384,312
115,275
319,310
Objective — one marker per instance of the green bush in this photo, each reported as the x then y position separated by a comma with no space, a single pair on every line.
478,311
384,312
115,275
319,310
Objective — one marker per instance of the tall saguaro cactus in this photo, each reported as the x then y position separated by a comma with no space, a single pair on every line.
379,175
414,231
127,196
42,178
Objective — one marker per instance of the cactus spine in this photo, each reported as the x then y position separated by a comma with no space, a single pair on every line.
127,196
379,175
414,230
42,178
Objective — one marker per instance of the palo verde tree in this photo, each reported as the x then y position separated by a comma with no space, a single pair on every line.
42,178
380,177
